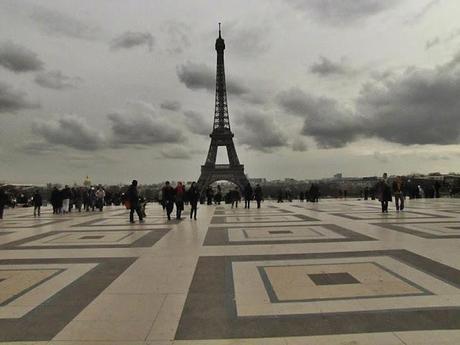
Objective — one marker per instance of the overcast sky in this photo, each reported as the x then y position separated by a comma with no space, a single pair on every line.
125,89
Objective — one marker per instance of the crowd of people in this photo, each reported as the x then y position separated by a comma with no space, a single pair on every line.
170,197
82,198
64,200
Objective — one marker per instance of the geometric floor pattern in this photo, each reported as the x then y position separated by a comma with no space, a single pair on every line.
336,272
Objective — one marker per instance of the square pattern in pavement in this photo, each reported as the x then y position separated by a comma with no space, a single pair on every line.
333,272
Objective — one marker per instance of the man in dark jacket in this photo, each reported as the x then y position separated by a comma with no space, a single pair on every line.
248,194
193,196
168,198
132,196
398,192
3,201
235,197
38,202
384,192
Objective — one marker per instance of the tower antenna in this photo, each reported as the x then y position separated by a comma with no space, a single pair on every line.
219,31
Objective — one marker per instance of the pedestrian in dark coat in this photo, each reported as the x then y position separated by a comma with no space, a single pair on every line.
168,198
37,202
193,196
384,192
132,196
179,194
248,195
235,197
258,195
398,192
3,202
55,200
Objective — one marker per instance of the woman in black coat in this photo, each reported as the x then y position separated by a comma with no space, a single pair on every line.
384,193
193,196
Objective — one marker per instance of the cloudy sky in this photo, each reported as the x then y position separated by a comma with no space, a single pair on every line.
119,90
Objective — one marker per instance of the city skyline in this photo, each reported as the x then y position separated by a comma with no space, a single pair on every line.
118,91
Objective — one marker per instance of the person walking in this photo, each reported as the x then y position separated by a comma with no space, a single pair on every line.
258,194
209,195
55,200
235,197
437,187
218,196
132,197
398,192
193,197
37,202
78,198
168,198
92,198
248,195
100,196
3,201
66,194
59,201
384,192
179,194
314,192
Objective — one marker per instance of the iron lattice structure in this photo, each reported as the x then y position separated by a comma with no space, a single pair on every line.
221,134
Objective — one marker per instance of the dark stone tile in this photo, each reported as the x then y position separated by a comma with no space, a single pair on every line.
49,318
148,240
400,227
212,289
333,278
301,217
390,216
91,237
219,236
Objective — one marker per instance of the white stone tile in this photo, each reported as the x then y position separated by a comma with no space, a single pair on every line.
167,320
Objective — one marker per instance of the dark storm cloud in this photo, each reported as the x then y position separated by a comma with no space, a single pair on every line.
325,120
143,129
326,67
259,131
200,76
420,106
343,11
170,105
59,24
56,80
12,100
197,124
19,59
71,131
129,39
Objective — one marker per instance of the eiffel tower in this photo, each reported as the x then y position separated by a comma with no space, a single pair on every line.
221,135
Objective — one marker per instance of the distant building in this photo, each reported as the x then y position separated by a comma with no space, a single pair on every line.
87,182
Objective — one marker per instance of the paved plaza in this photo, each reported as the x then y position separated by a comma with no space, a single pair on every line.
336,272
